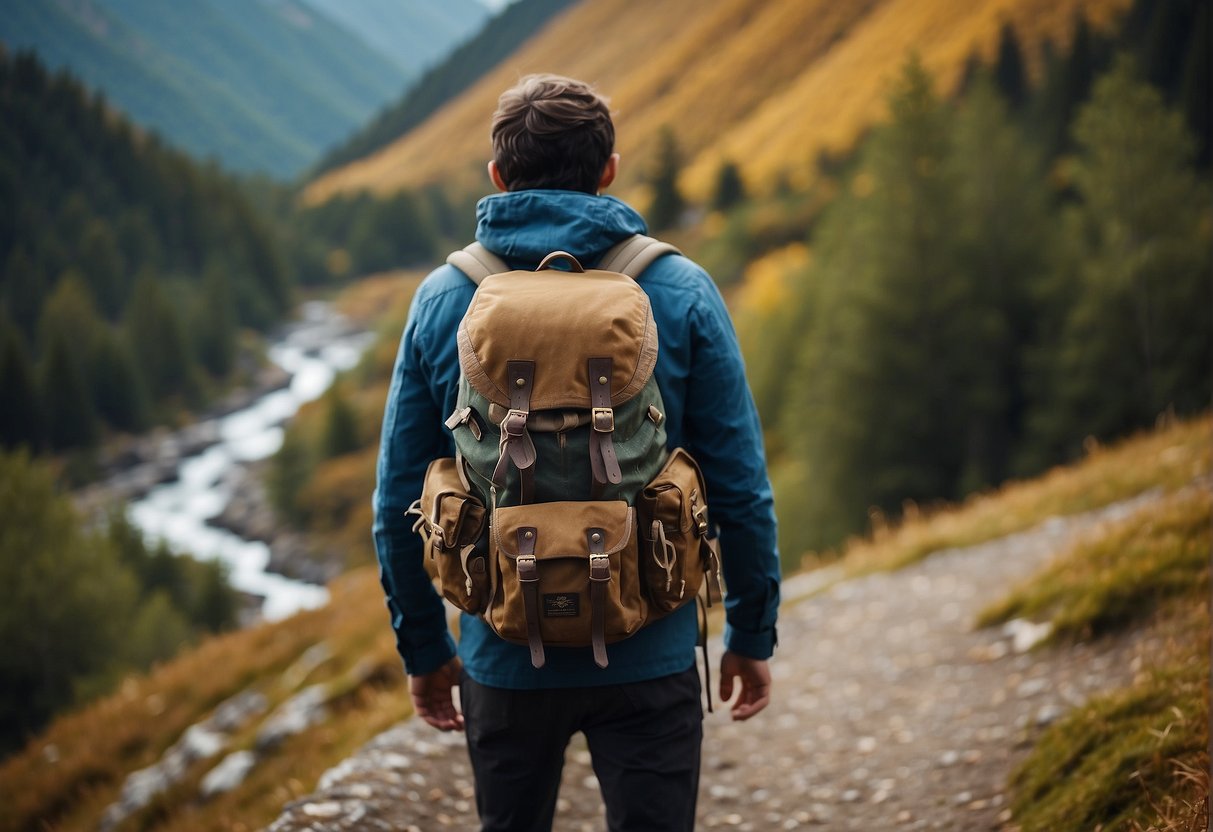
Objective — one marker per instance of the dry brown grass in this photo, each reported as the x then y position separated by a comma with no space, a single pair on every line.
1168,458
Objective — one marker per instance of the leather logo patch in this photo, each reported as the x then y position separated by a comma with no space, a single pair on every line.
561,605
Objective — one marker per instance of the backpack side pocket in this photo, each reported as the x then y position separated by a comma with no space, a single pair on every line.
451,521
675,554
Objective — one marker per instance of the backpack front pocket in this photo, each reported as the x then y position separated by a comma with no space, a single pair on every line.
451,522
674,551
568,576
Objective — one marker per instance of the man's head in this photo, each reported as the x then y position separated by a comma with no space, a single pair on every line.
552,132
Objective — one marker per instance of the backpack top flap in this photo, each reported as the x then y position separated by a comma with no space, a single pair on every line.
558,320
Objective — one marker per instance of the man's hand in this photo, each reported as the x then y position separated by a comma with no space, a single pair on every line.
432,699
755,679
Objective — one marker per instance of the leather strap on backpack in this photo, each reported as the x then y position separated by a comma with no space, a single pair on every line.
603,461
600,577
528,581
516,445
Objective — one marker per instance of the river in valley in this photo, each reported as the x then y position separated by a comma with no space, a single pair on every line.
311,352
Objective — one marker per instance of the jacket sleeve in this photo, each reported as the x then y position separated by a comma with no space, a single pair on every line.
412,437
725,436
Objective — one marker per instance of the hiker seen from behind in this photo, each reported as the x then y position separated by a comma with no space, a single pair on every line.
572,457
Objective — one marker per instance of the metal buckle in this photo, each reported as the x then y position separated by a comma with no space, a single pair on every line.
699,513
603,419
526,568
600,567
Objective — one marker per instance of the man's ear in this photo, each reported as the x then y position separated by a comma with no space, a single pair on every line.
495,175
609,172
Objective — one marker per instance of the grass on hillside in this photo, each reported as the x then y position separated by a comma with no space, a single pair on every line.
1134,759
65,779
1167,458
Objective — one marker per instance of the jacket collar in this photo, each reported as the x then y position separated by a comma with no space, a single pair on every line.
522,227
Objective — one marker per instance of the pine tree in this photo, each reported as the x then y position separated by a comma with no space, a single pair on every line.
1137,339
1010,71
104,270
20,417
215,323
1004,231
117,387
70,417
665,210
67,601
340,425
890,362
1195,96
730,189
158,340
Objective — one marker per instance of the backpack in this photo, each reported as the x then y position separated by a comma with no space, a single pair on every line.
563,520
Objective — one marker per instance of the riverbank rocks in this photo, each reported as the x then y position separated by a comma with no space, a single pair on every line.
200,741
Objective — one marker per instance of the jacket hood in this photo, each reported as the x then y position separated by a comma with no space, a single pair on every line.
523,227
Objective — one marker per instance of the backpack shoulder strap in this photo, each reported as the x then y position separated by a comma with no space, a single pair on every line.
477,262
635,254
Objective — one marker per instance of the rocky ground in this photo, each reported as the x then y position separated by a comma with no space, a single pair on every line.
890,711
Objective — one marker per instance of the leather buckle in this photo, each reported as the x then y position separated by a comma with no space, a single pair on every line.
514,423
603,419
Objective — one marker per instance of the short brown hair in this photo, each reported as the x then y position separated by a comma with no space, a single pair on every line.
552,132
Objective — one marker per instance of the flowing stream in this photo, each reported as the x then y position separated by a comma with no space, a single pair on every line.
312,352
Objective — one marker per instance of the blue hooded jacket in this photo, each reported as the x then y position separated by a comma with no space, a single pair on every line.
709,411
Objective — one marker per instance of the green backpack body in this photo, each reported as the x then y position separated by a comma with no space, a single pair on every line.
563,519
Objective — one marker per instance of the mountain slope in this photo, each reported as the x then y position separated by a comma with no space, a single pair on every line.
767,84
260,85
412,35
458,71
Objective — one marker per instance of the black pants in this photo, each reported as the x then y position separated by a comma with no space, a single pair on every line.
644,740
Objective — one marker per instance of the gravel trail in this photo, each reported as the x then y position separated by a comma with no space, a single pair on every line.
889,711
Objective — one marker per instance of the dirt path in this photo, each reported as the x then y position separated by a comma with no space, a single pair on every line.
889,712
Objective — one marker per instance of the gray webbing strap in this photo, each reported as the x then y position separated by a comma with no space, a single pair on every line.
477,262
635,254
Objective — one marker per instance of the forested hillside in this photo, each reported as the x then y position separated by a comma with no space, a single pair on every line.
262,86
987,279
128,270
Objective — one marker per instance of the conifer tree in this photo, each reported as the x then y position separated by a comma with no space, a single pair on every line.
340,425
70,419
1136,340
730,189
158,340
215,321
665,211
20,416
67,606
1010,71
117,387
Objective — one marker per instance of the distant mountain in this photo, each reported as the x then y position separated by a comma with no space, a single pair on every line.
767,84
413,35
461,68
262,85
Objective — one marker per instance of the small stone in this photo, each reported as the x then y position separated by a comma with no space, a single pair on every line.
327,809
905,816
851,796
866,745
962,798
1032,687
1048,714
949,758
